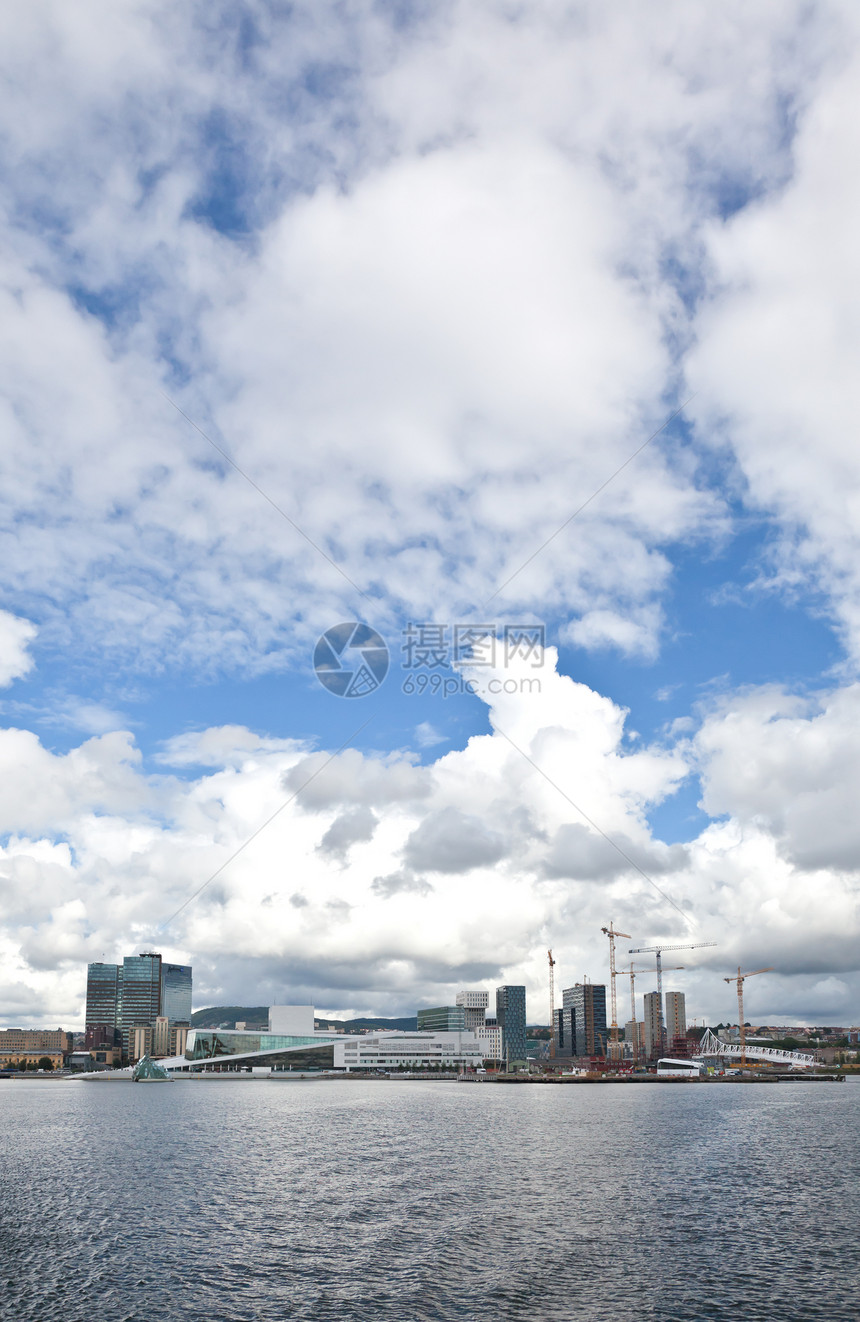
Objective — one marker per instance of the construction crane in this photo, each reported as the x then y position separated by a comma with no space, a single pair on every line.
612,934
551,1005
633,973
740,979
657,951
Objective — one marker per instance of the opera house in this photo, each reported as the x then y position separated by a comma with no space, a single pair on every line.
292,1043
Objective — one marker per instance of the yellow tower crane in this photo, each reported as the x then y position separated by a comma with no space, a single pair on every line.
614,1050
551,1005
740,979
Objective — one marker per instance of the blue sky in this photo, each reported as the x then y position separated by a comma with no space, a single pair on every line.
429,276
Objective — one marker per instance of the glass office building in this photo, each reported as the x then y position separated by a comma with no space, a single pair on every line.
176,993
583,1024
442,1019
511,1017
141,993
123,996
104,996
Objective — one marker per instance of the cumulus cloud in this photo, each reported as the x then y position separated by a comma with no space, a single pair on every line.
402,882
15,637
348,829
451,841
385,904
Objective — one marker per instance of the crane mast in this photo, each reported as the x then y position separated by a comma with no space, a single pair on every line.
612,934
740,979
551,1005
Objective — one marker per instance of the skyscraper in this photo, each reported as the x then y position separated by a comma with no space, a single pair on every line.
104,997
511,1018
176,993
585,1004
653,1020
134,994
141,993
676,1018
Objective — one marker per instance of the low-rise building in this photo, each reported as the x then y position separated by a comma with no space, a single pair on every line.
490,1037
377,1051
35,1039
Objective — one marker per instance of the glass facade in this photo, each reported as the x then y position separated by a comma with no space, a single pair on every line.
176,993
442,1019
141,993
104,991
511,1016
585,1004
222,1045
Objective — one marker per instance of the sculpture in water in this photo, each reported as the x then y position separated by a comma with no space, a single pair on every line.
148,1070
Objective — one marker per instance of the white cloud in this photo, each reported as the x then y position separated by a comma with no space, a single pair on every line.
15,637
778,341
412,893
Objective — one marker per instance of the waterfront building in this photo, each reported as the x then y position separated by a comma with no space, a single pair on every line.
490,1037
585,1024
141,994
133,995
634,1034
475,1004
103,1043
104,993
511,1019
35,1039
160,1037
442,1019
379,1051
409,1051
178,1039
653,1021
176,993
139,1042
21,1058
676,1016
565,1025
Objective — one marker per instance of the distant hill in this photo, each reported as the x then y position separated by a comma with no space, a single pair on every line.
225,1016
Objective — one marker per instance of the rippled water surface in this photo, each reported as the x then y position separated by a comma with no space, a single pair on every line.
371,1200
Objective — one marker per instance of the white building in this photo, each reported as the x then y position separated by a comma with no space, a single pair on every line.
291,1042
383,1051
475,1006
292,1020
491,1041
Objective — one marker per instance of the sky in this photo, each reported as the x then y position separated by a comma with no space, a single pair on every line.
523,336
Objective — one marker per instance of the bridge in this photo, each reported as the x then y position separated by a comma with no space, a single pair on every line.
711,1046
